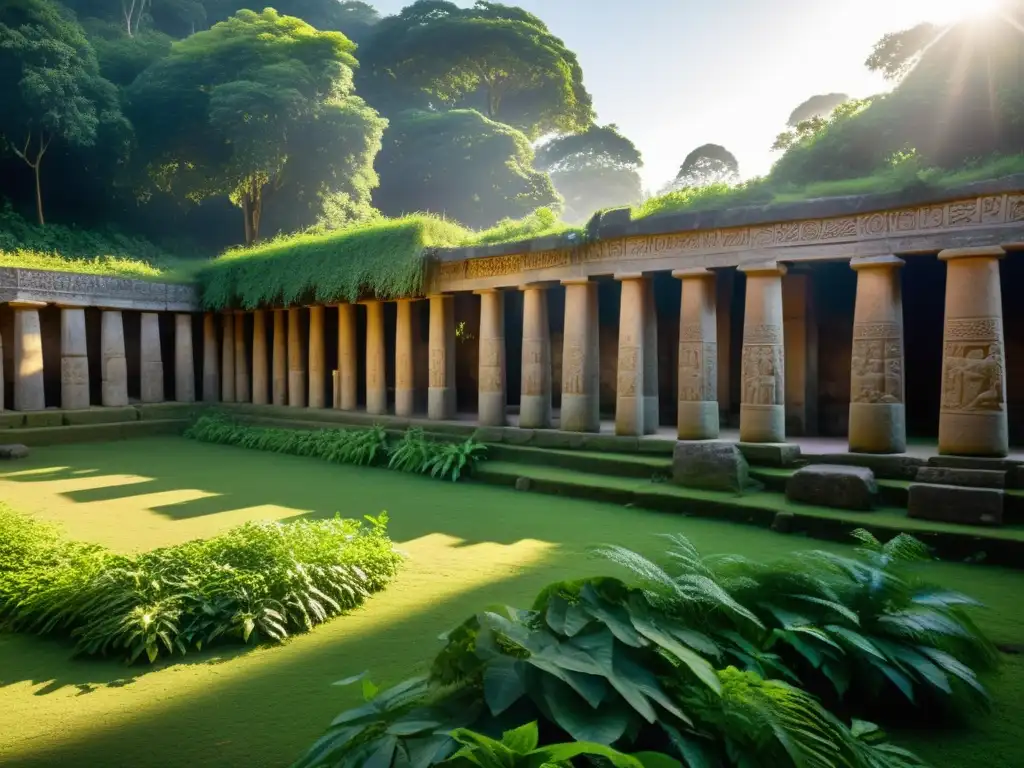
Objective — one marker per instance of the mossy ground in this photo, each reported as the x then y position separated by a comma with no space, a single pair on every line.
468,545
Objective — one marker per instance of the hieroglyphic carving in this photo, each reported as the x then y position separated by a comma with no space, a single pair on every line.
964,213
992,209
629,358
95,290
491,374
403,369
762,374
533,366
572,371
874,225
838,229
496,266
698,371
754,333
74,370
436,369
973,366
491,379
1015,208
691,332
877,363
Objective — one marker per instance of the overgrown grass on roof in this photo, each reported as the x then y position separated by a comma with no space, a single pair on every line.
541,223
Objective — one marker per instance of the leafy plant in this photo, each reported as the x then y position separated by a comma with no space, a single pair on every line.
450,460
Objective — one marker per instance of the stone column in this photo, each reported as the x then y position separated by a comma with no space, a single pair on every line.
260,360
376,380
151,367
317,358
242,391
184,362
698,355
580,359
652,409
441,343
348,382
279,390
405,380
296,360
973,420
535,390
211,368
630,412
877,412
74,359
762,405
29,392
113,366
491,402
227,358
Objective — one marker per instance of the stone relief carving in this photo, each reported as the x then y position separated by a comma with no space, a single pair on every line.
698,371
762,334
533,367
629,358
762,370
973,366
572,372
74,370
436,369
877,363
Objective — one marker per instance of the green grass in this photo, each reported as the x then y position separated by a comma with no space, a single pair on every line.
468,546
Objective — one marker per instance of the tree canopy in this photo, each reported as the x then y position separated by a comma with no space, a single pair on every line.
706,165
820,105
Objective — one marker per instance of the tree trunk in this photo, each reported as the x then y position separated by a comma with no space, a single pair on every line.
252,208
39,194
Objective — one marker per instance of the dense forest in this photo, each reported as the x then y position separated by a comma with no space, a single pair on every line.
203,124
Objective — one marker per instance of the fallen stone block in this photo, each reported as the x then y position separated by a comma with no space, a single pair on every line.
783,522
969,478
13,451
955,504
523,483
771,454
833,485
710,465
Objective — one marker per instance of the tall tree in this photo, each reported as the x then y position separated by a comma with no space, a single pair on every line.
239,110
50,85
592,170
898,52
707,164
459,164
820,105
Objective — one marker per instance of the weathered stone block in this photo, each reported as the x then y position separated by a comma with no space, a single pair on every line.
48,418
783,522
970,478
12,420
711,465
488,435
523,483
771,454
833,485
953,504
13,451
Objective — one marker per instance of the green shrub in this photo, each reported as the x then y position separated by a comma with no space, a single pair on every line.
261,581
363,447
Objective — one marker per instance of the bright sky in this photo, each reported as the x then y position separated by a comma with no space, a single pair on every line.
675,74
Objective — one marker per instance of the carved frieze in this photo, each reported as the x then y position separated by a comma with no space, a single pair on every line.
95,290
877,363
698,371
761,371
973,366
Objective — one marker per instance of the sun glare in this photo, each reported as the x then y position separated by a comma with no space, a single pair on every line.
950,11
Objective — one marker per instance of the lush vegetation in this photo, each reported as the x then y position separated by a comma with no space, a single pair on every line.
717,661
415,452
258,582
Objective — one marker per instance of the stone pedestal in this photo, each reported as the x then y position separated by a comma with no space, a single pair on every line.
227,358
74,359
762,405
260,359
698,356
441,343
279,374
376,381
151,362
535,387
973,420
405,381
629,392
491,379
29,393
241,361
297,386
580,359
317,358
652,406
877,412
113,366
348,363
184,362
211,368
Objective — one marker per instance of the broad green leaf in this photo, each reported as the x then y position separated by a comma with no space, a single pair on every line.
557,753
522,739
503,684
699,666
604,725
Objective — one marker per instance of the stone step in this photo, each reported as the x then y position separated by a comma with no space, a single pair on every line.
833,485
956,504
969,478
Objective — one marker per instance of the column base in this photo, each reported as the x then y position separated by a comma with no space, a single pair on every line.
114,395
377,403
405,402
974,434
698,420
762,423
878,428
297,389
440,403
491,409
630,418
74,384
535,411
580,414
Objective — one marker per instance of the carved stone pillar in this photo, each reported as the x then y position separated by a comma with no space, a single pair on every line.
151,367
29,392
348,362
405,381
491,379
74,359
877,413
973,418
227,357
535,393
279,362
762,405
630,414
317,358
698,355
441,343
652,409
211,367
376,381
260,360
241,361
296,360
113,366
580,359
184,362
